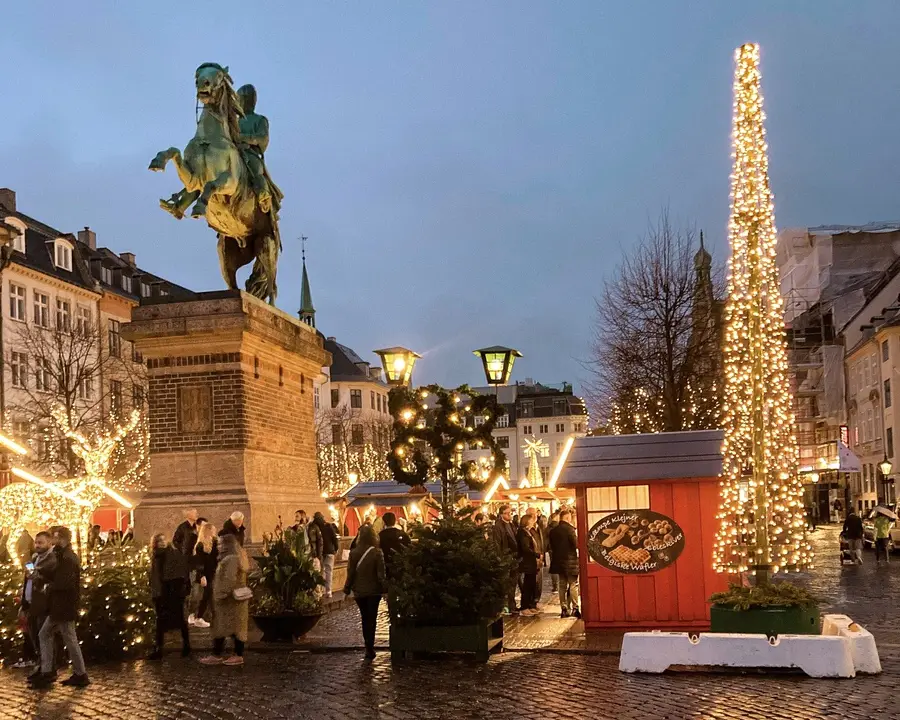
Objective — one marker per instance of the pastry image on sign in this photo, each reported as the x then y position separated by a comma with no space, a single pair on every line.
635,541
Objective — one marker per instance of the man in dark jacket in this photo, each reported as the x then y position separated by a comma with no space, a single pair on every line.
316,541
185,537
34,596
328,533
63,593
392,539
504,535
564,562
853,532
234,525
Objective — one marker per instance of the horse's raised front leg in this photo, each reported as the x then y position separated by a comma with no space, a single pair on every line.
158,164
218,184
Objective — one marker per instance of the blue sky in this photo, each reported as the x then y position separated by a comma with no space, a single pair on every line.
468,172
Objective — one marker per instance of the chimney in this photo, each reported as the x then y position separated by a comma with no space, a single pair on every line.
8,199
128,258
87,236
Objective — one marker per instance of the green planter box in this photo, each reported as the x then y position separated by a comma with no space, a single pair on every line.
767,621
482,639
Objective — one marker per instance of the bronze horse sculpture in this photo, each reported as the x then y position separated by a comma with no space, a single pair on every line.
225,179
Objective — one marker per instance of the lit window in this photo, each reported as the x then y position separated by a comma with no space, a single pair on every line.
41,309
62,255
17,302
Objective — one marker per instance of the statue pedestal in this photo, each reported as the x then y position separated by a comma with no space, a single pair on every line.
231,411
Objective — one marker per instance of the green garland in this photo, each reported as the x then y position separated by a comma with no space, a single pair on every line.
444,421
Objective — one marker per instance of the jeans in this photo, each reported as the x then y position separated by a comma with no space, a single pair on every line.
529,591
568,592
205,600
67,631
328,572
881,548
368,614
219,646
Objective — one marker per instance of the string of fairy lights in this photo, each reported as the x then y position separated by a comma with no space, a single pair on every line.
762,523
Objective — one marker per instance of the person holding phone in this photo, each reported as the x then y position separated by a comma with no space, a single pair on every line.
33,608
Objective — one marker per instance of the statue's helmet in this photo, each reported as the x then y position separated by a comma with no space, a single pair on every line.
247,96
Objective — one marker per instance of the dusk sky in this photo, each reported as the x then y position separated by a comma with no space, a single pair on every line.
468,173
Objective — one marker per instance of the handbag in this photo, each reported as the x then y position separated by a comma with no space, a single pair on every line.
242,594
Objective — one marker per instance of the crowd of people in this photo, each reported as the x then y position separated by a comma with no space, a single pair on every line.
531,539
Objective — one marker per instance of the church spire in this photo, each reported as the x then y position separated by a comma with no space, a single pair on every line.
307,311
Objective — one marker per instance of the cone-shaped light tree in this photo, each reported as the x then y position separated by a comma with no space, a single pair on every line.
762,520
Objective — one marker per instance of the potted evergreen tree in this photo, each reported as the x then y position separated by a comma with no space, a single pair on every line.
448,587
288,589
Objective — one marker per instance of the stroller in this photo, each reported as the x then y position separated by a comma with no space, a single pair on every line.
846,555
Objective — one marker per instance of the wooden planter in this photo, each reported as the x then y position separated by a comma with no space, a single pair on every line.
481,639
771,621
285,627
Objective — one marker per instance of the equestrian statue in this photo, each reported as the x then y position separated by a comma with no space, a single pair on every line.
224,173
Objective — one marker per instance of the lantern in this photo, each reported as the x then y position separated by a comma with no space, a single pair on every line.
498,363
398,364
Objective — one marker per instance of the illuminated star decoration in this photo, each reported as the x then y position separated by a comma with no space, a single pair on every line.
761,515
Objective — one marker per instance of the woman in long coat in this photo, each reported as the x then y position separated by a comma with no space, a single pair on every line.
169,585
230,615
529,564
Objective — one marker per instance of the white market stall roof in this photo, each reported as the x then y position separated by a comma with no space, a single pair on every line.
650,456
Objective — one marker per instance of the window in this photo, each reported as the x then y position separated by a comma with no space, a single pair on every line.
479,420
335,397
559,406
137,396
526,429
528,408
378,402
559,447
106,274
43,380
372,399
356,399
126,283
337,435
86,388
41,309
603,501
356,435
866,373
18,369
316,397
560,427
62,255
63,314
83,320
384,404
19,240
136,356
115,397
17,302
503,441
145,289
502,421
115,340
578,427
885,351
889,440
887,393
543,429
868,429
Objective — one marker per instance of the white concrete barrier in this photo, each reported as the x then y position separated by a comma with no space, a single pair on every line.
862,643
823,656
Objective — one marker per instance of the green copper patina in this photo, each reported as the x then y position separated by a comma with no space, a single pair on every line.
224,174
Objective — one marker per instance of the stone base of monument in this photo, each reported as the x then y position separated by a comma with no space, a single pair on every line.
231,411
842,650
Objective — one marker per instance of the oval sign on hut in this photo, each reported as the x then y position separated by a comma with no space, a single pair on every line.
635,541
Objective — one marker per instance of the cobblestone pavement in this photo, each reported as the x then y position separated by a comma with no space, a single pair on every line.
338,684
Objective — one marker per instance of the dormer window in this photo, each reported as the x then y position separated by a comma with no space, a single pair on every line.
126,283
18,240
62,254
106,274
145,289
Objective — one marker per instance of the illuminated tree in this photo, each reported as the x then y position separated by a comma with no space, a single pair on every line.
762,520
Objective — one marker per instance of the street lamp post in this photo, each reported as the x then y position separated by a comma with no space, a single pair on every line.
398,363
498,363
885,467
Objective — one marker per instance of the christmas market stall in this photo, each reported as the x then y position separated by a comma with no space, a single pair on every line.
647,520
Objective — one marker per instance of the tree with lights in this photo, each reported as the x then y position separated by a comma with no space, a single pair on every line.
655,363
761,513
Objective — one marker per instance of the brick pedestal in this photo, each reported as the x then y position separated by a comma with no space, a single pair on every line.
231,411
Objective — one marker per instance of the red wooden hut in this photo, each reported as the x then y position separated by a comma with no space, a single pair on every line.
646,509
